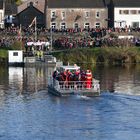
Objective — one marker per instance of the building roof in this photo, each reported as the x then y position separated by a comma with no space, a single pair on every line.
126,3
30,6
39,4
76,3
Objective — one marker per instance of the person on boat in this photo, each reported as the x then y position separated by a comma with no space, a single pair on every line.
76,78
55,73
55,77
67,80
83,77
88,82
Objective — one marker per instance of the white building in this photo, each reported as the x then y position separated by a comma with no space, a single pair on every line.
129,17
127,13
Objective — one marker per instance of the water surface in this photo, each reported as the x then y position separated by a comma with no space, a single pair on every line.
29,112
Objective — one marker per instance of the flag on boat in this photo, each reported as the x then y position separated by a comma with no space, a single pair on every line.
33,22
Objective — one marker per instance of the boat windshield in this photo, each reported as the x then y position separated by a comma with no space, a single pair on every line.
70,68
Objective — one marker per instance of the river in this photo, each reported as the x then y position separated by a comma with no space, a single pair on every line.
29,112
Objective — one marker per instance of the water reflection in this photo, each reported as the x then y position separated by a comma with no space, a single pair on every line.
123,79
34,79
29,112
16,79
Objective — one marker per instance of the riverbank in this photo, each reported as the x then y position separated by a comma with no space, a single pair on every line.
107,55
3,56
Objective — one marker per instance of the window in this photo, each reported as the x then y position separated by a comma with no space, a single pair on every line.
63,14
133,12
76,25
120,12
53,25
53,14
97,25
135,24
126,12
63,25
97,14
15,53
87,26
138,11
87,15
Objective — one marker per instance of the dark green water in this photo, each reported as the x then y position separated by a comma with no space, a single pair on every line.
29,112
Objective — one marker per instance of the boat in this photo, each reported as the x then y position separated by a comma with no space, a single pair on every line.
76,85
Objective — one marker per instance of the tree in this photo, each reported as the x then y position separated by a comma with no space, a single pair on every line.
18,2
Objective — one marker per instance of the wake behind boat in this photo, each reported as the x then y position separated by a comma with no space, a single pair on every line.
70,80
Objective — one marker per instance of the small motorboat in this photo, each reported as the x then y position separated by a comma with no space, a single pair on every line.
71,80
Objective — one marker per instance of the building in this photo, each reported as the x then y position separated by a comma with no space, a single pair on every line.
1,14
26,16
126,13
8,9
63,14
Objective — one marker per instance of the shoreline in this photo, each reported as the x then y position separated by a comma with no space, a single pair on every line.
103,55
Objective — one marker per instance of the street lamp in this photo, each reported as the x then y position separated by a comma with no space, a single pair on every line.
51,37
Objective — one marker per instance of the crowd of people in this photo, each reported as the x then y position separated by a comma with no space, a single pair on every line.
73,79
69,38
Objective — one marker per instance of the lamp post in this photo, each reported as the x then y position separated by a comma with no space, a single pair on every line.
51,38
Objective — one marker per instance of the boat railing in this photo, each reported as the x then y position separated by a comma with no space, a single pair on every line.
75,85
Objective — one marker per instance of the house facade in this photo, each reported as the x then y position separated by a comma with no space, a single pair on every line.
1,18
63,14
127,13
1,15
76,14
62,18
127,17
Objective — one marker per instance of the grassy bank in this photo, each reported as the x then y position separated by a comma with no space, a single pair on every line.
3,56
107,55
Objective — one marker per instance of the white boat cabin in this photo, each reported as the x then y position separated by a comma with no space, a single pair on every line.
15,57
69,67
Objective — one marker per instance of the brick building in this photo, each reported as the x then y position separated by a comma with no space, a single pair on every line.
68,13
76,14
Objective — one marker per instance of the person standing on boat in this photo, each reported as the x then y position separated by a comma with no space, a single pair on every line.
55,74
83,78
77,78
88,79
68,75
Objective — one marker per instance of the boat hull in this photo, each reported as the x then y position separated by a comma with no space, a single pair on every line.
88,93
55,92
